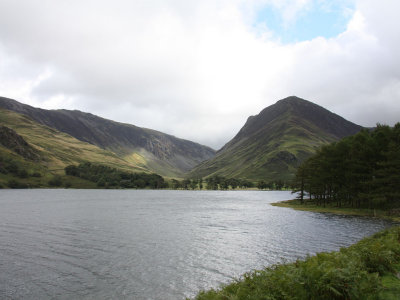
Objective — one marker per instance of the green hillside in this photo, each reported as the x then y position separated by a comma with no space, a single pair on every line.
53,151
156,151
271,145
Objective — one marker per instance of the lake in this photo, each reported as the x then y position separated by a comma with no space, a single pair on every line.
142,244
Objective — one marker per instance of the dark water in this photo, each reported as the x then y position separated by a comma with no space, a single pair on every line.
110,244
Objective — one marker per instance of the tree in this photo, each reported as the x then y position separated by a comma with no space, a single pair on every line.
361,170
261,185
55,181
200,183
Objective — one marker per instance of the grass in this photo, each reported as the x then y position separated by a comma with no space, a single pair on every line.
256,156
311,206
366,270
60,149
44,175
391,287
57,150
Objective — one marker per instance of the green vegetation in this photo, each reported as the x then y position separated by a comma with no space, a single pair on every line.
277,185
222,183
58,149
212,183
366,270
34,156
361,171
127,146
106,177
17,172
271,145
307,205
357,175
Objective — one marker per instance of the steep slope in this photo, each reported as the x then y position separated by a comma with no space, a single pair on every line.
272,144
52,148
16,143
159,152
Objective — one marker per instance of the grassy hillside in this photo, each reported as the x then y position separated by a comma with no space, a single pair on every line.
18,172
272,144
366,270
56,149
153,150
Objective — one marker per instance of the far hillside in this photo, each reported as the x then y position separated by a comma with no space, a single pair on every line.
32,155
272,144
149,149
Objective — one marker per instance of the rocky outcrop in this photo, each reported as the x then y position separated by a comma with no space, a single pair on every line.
16,143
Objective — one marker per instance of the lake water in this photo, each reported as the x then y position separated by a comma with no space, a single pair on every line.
127,244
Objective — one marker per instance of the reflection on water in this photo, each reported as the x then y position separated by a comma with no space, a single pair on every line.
102,244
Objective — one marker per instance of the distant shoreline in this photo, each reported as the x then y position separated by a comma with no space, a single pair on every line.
309,206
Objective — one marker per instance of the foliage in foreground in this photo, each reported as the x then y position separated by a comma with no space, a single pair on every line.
361,271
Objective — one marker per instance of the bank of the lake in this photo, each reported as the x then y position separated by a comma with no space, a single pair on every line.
367,270
393,215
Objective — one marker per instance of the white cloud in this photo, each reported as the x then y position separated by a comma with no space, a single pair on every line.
195,69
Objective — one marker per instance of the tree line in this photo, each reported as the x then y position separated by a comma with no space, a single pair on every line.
362,170
16,170
273,185
107,177
217,182
211,183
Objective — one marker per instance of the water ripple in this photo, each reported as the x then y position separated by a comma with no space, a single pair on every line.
89,244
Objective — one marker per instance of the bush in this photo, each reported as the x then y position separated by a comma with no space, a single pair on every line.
105,176
22,173
14,184
352,273
55,181
12,167
67,185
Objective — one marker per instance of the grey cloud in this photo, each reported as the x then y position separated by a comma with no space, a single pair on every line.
193,69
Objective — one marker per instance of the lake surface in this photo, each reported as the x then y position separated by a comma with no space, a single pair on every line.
127,244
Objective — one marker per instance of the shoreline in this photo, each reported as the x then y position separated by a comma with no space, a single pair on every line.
364,212
367,269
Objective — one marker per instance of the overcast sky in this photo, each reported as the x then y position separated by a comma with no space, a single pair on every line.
198,69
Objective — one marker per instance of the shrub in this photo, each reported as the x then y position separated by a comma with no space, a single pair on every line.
67,185
22,173
14,184
352,273
55,181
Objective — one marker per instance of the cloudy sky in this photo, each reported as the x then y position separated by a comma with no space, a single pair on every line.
198,69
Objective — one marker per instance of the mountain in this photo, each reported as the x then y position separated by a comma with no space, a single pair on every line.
273,143
146,148
33,155
51,148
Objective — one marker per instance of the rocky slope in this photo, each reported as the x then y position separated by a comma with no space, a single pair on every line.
156,151
273,143
16,143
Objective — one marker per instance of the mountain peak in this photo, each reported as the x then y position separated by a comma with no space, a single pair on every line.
271,144
291,99
294,101
292,108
